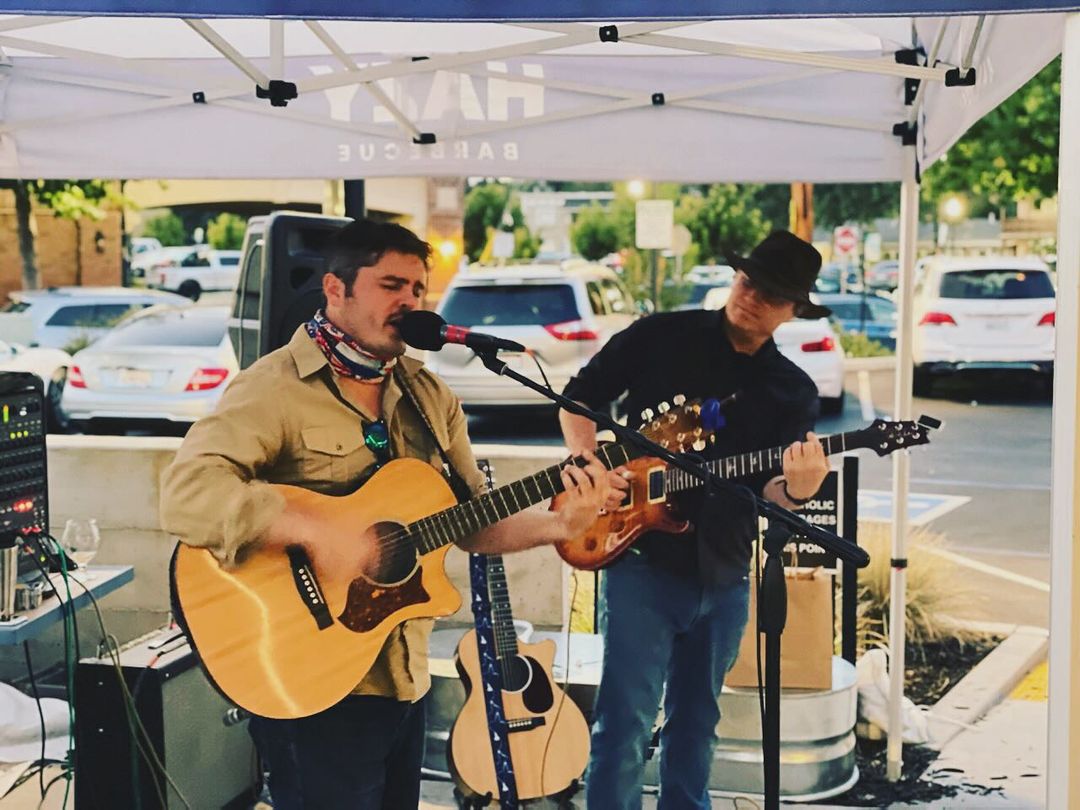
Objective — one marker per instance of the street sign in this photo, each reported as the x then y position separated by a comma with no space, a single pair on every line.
681,239
872,248
845,241
825,510
503,245
654,221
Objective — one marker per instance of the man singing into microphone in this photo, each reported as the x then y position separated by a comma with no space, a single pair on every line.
324,412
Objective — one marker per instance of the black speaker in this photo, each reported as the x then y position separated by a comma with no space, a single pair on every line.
210,757
280,280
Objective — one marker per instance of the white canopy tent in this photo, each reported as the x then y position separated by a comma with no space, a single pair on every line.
821,99
734,100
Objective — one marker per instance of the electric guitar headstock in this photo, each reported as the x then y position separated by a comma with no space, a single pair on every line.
677,426
885,437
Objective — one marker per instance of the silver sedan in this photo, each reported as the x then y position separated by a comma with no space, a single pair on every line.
167,365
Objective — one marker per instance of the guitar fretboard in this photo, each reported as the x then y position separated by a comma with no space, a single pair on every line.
502,619
757,461
457,522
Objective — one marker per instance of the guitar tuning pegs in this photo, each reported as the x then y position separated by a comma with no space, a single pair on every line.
663,407
665,443
679,437
672,418
655,424
699,445
647,414
678,399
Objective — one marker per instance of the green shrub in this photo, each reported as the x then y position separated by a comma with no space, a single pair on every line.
856,344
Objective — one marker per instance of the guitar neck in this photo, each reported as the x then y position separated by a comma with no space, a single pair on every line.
502,618
457,522
757,461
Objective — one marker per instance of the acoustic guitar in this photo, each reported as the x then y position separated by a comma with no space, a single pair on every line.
648,506
282,640
547,733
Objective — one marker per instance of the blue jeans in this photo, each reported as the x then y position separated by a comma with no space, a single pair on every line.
659,627
364,753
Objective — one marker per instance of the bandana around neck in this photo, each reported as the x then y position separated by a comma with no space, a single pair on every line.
345,355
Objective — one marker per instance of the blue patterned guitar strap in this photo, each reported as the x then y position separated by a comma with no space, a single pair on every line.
491,683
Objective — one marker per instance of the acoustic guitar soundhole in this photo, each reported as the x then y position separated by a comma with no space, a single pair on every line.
516,673
391,581
397,555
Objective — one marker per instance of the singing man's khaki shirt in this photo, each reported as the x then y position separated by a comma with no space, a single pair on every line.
285,420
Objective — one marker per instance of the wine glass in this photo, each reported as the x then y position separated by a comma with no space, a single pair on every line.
80,540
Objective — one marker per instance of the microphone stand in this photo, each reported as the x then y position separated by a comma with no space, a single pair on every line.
772,604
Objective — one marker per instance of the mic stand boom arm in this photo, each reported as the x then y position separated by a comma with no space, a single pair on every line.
845,550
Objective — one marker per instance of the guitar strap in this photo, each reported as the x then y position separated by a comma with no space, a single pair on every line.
490,673
491,683
457,483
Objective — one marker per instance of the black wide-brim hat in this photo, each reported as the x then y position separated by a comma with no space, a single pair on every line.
785,266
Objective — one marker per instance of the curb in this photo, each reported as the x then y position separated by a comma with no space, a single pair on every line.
988,683
869,363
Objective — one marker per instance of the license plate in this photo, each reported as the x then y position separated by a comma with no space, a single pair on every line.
997,326
134,377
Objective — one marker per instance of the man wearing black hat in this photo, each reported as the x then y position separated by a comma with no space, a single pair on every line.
673,610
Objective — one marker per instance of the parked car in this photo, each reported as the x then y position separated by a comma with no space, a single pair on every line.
59,316
989,312
884,275
812,346
563,313
834,277
701,281
165,364
51,365
873,315
197,271
143,244
148,260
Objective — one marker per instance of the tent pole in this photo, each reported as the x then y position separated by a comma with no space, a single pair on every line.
909,238
1063,747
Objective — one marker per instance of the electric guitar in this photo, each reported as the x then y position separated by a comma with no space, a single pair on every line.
282,640
546,732
648,507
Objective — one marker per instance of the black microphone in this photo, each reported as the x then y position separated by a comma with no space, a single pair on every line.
423,329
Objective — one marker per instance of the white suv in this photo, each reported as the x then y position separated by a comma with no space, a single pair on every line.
59,316
563,313
989,312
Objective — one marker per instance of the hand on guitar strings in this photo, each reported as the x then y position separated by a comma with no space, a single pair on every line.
588,490
619,482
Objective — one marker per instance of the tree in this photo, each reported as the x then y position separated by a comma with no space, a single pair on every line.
834,203
724,222
168,229
1008,155
70,199
842,203
595,233
226,231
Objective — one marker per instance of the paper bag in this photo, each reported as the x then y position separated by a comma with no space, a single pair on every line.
806,647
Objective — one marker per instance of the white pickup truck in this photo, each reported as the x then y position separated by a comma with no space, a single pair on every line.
195,272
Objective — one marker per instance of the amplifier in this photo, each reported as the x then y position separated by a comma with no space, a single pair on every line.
24,490
213,764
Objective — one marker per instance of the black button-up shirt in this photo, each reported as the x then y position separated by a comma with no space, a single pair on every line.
775,403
